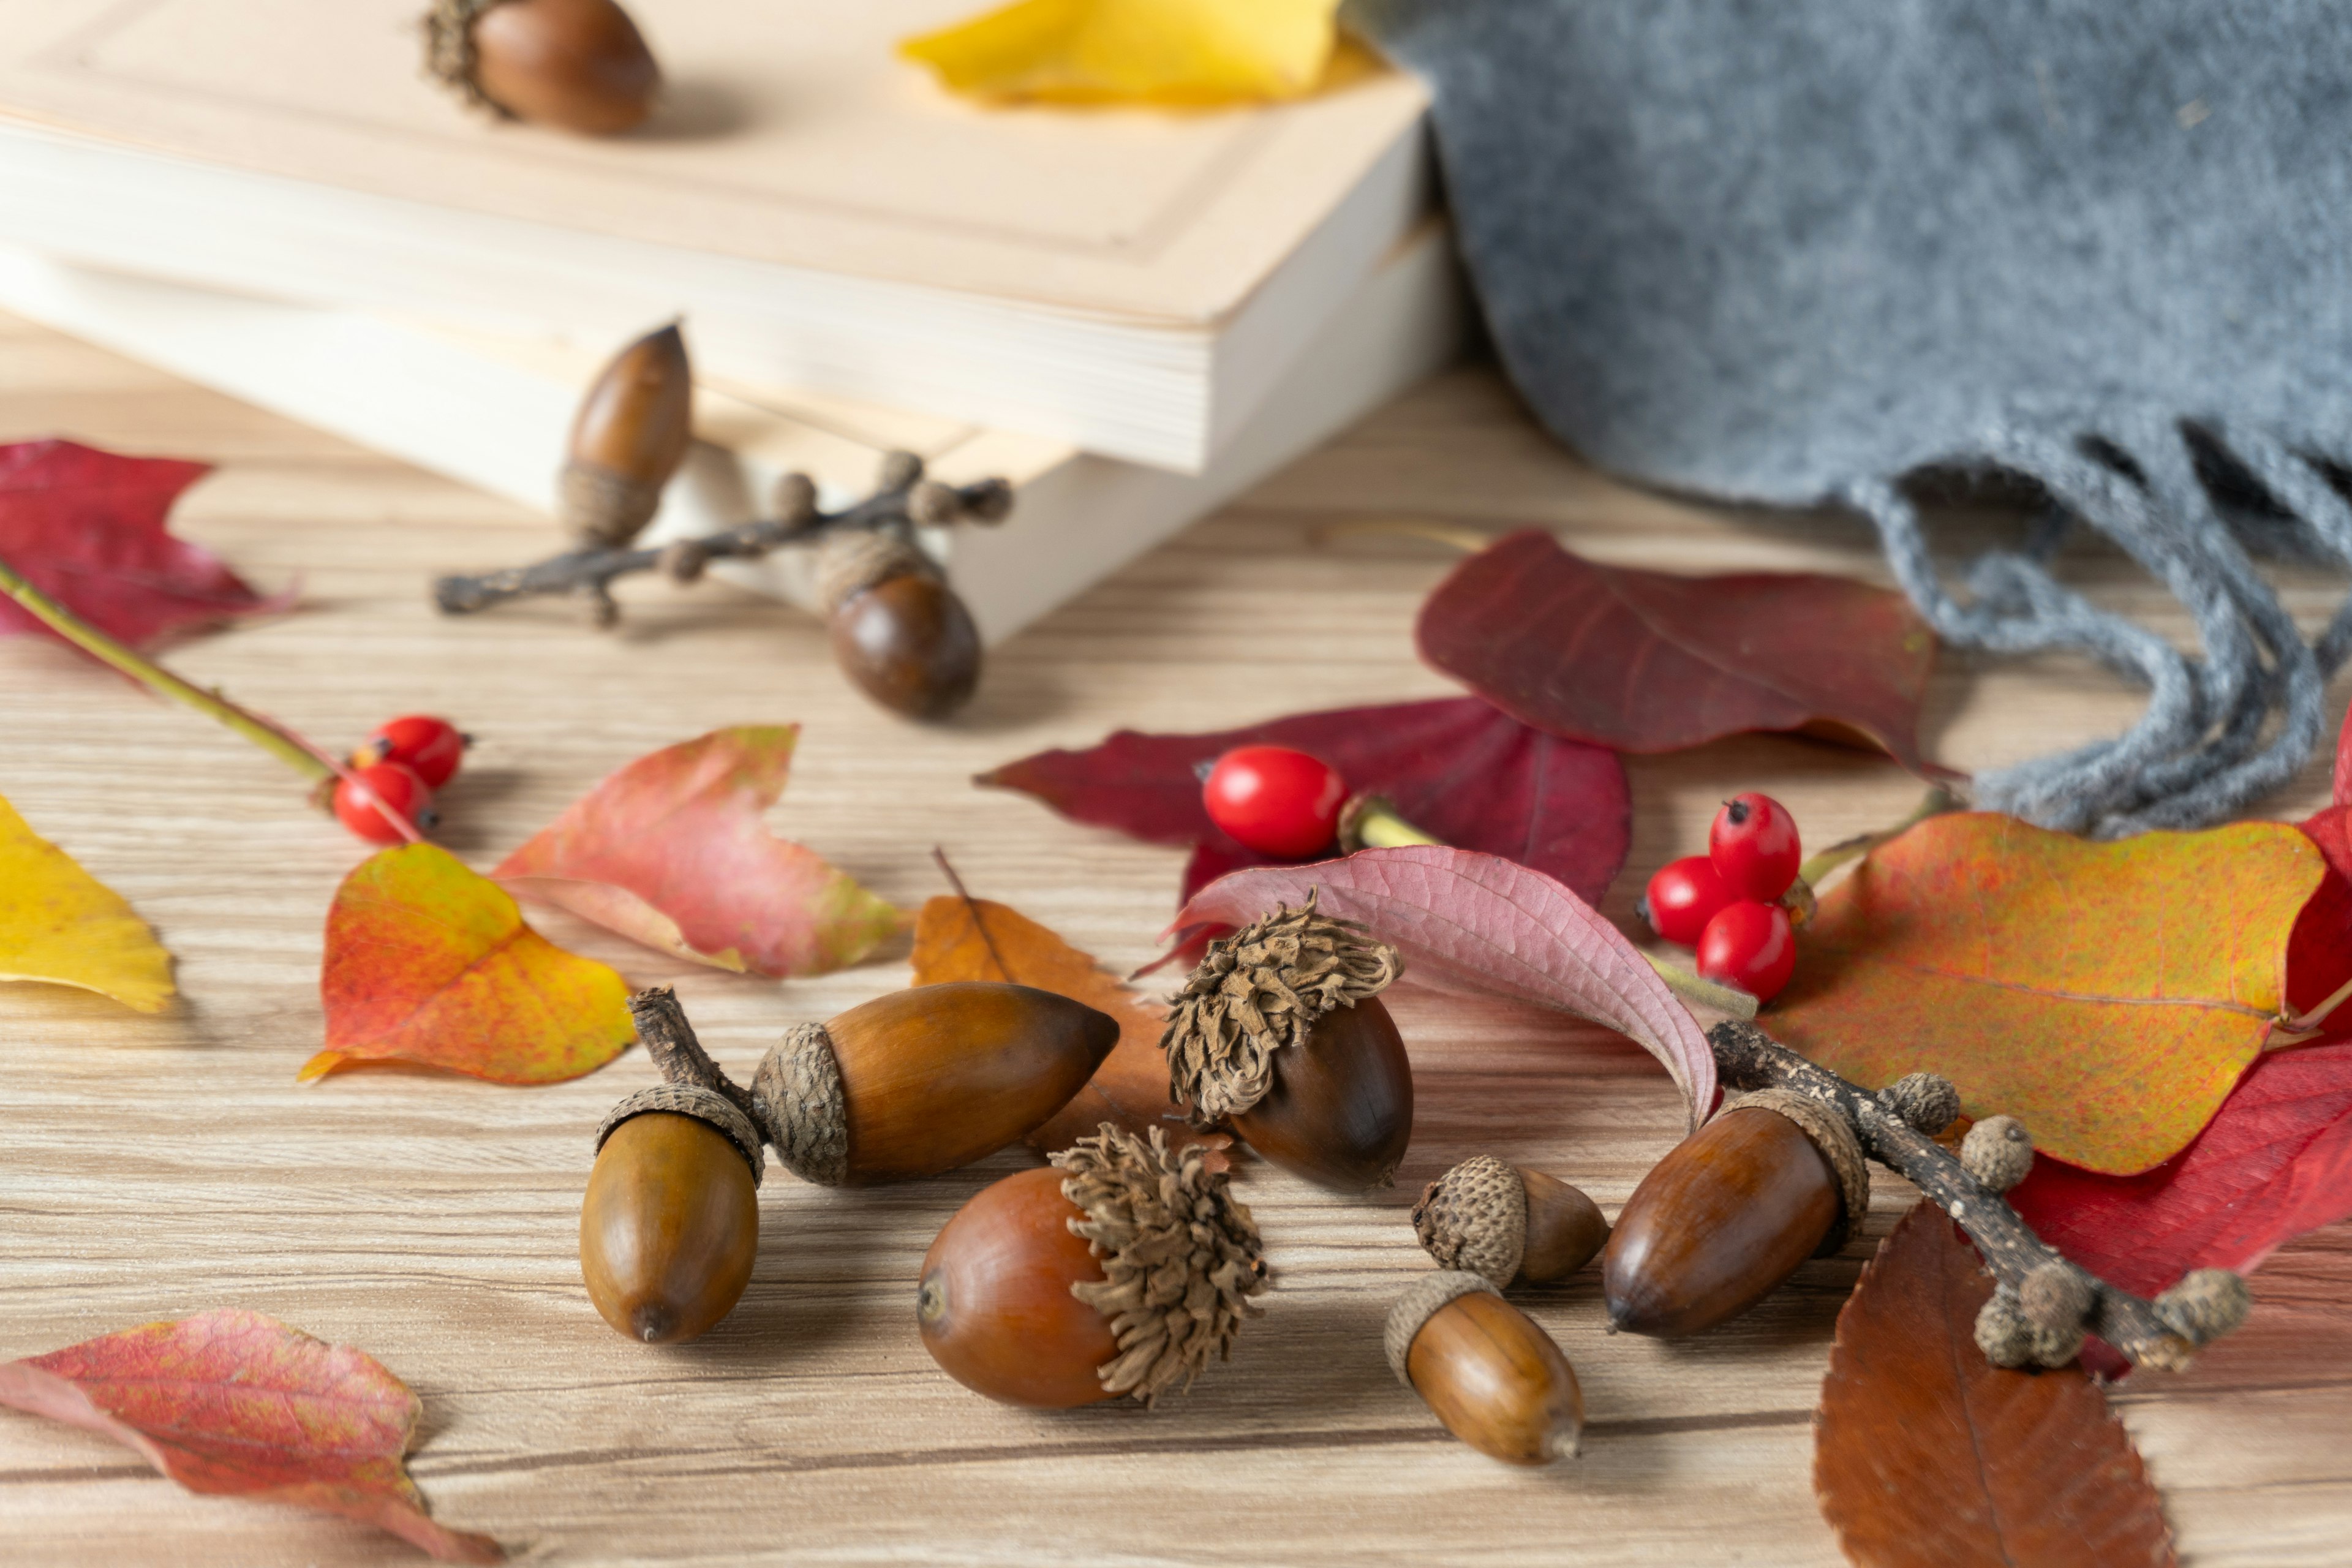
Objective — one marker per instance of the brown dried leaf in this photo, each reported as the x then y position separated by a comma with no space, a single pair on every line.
1927,1456
961,938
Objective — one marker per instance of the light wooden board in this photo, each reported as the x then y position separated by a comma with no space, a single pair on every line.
156,1167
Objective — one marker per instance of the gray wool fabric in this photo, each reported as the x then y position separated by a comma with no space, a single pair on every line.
1801,252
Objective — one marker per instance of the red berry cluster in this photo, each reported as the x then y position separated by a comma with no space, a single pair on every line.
397,770
1726,902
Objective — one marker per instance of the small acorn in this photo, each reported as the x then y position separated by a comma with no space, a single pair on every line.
896,628
631,432
920,1081
1280,1035
1121,1271
670,1224
577,65
1508,1224
1492,1375
1730,1211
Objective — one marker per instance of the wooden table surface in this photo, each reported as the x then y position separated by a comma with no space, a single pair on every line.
155,1167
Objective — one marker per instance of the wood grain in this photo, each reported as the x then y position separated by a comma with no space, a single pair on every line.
151,1167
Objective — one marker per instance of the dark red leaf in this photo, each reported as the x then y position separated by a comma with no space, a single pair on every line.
1456,768
1649,661
2319,950
85,527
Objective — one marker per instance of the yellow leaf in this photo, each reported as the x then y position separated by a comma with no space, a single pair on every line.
1135,51
62,925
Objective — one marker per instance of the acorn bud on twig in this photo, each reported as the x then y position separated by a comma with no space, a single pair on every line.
628,439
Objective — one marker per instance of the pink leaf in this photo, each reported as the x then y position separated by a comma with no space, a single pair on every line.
85,527
1478,923
236,1404
671,851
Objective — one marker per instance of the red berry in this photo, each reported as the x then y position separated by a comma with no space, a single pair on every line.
1276,801
1754,846
1748,944
398,787
1683,896
433,747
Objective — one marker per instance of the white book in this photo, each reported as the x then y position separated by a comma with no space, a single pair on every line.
495,411
1133,282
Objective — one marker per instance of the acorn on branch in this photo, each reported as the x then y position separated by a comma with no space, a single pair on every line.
577,65
632,431
1495,1219
1280,1035
1121,1271
896,629
671,1222
1488,1371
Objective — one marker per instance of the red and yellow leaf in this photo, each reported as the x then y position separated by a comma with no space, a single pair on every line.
671,851
2109,995
428,962
85,527
235,1404
62,925
1927,1455
1134,51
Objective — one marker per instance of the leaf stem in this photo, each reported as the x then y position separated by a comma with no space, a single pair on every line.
2309,1023
1936,802
1467,540
1703,993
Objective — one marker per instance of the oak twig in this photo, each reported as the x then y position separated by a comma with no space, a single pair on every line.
902,499
2044,1304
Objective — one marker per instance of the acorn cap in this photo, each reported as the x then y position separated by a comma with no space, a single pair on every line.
449,46
850,561
1830,1133
702,1104
802,1107
1475,1217
1420,1303
1259,990
1181,1257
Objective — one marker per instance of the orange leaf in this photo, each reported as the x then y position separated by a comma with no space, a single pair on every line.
2107,995
671,851
239,1404
1927,1455
428,962
978,939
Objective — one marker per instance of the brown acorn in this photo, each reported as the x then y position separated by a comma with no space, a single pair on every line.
1730,1211
631,432
1506,1224
1120,1272
1492,1375
670,1224
920,1081
577,65
896,628
1280,1035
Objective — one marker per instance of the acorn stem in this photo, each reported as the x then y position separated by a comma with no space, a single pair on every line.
677,1052
2162,1333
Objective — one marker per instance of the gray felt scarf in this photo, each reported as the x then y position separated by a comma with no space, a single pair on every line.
1797,251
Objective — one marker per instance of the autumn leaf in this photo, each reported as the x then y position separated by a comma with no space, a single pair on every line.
428,962
978,939
2107,995
235,1404
1927,1455
1650,661
62,925
1481,924
1463,772
1134,51
671,851
85,527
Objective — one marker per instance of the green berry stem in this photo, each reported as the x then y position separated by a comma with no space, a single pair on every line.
1937,801
1701,991
279,740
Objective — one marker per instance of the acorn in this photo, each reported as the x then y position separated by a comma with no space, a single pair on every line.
1280,1035
671,1222
1508,1224
1119,1272
897,630
631,432
1730,1211
920,1081
577,65
1490,1373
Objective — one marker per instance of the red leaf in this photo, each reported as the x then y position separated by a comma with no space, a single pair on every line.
85,527
239,1404
2319,950
671,851
1927,1456
1456,768
1649,661
1479,923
